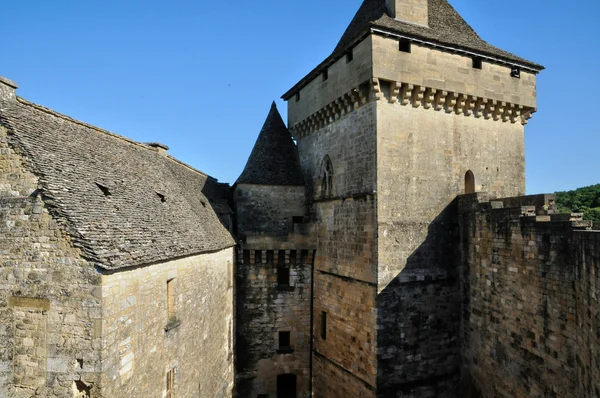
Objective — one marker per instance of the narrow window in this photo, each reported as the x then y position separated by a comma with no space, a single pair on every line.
515,72
298,96
284,341
326,74
323,325
281,258
293,254
171,316
246,256
269,256
171,383
469,182
477,63
258,256
405,45
283,276
349,56
326,177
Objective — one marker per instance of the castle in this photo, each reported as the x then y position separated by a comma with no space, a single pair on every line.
379,245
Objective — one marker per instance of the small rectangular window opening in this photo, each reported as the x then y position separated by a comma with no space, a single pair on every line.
303,256
170,383
284,341
258,256
515,72
298,96
283,276
246,256
293,255
326,74
405,45
323,325
269,256
171,316
349,56
477,63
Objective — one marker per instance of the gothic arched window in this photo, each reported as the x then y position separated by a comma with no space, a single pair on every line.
469,182
326,177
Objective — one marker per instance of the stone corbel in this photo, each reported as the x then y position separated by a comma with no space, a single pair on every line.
516,114
490,108
395,91
461,101
440,99
451,99
499,110
526,115
417,96
507,113
405,93
429,97
469,104
479,107
375,89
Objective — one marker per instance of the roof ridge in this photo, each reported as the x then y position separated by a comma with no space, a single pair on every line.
104,131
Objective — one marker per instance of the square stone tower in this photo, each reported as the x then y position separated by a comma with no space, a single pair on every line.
411,109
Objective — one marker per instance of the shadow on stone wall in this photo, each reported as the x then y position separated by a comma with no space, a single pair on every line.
419,317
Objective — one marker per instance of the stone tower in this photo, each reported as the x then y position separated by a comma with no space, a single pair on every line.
411,109
273,278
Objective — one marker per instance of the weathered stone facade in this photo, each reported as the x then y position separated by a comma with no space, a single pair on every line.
529,316
73,324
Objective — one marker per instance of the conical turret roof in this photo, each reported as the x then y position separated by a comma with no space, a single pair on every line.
274,159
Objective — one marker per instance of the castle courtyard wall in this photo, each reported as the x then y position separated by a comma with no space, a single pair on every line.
530,313
141,343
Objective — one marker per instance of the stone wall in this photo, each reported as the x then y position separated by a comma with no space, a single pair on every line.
530,316
265,308
586,245
267,211
342,77
345,265
49,296
142,341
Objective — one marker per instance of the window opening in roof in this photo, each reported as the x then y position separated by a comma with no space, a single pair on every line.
405,45
326,74
477,63
104,189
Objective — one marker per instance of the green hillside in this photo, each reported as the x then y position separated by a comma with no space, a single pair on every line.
584,200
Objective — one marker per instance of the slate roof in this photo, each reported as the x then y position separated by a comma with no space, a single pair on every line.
274,159
446,27
121,202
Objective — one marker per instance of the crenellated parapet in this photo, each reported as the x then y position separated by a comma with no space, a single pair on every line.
416,96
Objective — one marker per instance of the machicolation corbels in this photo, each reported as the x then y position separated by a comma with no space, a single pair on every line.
417,96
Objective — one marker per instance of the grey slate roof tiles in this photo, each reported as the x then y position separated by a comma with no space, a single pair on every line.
446,27
122,202
274,159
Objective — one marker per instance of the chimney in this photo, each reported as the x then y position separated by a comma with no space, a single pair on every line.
8,89
411,11
162,149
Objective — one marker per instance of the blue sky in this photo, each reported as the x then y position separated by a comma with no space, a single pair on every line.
200,76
